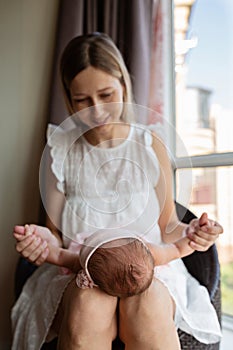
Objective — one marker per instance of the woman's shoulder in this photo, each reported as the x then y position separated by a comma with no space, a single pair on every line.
62,135
147,133
60,139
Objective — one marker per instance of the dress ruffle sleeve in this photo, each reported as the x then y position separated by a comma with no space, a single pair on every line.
57,141
159,130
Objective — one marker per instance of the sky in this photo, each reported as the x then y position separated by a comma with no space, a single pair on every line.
210,63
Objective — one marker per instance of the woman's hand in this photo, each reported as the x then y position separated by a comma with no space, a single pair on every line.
203,232
32,242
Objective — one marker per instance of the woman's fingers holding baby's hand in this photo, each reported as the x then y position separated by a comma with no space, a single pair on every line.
39,255
29,247
209,232
32,248
23,241
203,236
199,243
29,243
42,257
196,232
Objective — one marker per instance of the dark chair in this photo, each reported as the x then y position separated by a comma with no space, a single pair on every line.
204,266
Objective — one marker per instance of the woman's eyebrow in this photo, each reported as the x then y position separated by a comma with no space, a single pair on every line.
78,94
106,88
86,94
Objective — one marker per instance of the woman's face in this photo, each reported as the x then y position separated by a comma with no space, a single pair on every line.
95,93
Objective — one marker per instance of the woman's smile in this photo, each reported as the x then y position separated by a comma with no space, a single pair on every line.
102,120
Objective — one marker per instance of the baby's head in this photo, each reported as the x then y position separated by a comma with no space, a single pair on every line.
122,266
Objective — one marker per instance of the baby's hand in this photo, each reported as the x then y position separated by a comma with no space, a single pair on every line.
203,233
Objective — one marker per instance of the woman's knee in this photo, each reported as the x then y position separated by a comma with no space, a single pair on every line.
154,300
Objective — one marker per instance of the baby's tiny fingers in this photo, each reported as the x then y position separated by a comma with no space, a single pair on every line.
19,229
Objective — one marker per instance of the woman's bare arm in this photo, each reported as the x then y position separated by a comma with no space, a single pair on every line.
201,236
171,228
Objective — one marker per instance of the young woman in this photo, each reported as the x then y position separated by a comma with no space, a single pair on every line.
107,172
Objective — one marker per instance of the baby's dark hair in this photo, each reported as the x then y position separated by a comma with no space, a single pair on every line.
123,269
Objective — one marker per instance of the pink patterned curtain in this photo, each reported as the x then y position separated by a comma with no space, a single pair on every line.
156,96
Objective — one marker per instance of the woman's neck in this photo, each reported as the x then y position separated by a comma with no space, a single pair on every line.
109,135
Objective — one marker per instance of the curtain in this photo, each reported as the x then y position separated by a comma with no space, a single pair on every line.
157,93
129,23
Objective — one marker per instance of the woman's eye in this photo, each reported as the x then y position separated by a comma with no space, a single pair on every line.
105,96
81,100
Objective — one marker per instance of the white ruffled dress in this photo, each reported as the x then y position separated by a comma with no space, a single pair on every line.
107,188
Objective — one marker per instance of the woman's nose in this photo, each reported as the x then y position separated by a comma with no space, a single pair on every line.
97,109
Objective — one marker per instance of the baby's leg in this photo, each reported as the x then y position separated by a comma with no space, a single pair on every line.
86,319
146,320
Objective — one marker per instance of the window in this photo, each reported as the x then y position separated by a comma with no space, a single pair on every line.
203,38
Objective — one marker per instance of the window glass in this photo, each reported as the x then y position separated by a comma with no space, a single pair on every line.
212,192
203,32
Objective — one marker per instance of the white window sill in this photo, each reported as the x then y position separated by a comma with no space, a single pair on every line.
227,325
